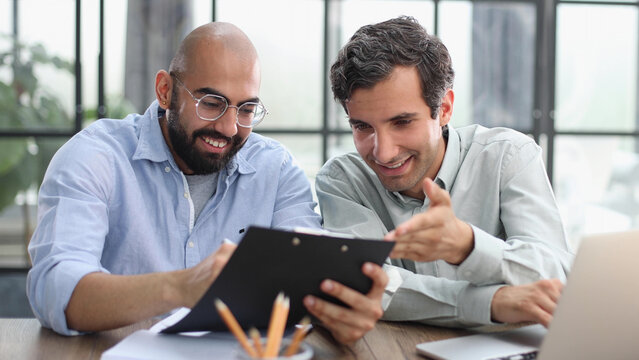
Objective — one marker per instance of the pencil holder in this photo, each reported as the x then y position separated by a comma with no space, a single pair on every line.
304,352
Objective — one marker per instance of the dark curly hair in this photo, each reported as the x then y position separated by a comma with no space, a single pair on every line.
374,50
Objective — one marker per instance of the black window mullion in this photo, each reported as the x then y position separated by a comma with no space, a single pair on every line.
102,110
539,72
547,89
78,68
325,86
637,90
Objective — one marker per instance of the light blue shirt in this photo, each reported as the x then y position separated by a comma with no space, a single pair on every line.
498,184
113,200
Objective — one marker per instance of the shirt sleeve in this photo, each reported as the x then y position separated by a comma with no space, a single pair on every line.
535,245
435,300
72,224
409,296
294,205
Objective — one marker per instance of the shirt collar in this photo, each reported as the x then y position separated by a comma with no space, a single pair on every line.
153,147
239,162
450,165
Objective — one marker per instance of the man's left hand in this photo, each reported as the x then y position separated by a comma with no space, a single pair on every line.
530,302
434,234
350,324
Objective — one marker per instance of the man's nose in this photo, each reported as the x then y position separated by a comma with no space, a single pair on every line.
227,123
384,148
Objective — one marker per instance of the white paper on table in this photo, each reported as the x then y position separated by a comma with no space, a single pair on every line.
150,344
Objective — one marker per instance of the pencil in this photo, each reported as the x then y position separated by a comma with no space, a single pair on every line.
235,328
257,341
301,330
276,325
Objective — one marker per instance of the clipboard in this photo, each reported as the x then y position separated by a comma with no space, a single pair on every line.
268,261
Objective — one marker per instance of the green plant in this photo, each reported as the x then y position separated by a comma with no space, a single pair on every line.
26,105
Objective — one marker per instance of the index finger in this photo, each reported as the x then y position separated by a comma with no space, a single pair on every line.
417,222
379,277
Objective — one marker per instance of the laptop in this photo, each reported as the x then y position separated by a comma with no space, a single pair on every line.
597,316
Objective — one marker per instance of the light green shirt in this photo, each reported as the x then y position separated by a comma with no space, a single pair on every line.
498,184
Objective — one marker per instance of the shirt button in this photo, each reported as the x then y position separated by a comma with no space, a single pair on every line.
191,244
167,169
186,195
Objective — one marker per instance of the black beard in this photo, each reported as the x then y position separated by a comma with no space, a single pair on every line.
184,146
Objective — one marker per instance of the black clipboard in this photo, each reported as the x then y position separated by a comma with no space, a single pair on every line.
268,261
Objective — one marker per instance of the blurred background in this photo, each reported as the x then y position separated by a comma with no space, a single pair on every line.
564,72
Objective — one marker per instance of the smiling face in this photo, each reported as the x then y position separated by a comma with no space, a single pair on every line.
210,66
193,157
220,62
394,131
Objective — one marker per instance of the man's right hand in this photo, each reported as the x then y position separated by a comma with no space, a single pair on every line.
193,282
531,302
102,301
349,324
434,234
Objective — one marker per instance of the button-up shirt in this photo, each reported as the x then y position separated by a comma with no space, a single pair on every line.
497,183
113,200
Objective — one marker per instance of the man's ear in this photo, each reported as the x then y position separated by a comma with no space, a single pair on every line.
163,87
446,109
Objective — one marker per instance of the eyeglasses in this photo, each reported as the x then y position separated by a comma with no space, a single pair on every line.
211,107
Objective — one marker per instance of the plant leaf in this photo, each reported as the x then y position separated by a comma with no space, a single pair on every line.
11,153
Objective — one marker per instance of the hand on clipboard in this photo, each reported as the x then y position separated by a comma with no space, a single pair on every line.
268,261
356,313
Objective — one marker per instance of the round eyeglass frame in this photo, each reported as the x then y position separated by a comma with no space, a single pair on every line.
227,106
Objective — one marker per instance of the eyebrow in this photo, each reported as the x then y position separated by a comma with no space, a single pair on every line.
401,116
353,122
212,91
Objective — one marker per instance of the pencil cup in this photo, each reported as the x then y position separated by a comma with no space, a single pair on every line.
304,352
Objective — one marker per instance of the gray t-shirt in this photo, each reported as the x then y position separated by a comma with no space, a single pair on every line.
201,187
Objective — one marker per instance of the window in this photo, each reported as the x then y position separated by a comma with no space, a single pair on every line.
596,156
563,72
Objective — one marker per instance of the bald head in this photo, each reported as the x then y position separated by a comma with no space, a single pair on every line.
211,39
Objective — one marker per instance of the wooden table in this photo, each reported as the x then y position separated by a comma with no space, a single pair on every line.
26,339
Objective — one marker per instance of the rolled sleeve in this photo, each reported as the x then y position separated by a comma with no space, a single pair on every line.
433,300
475,304
58,278
484,264
69,240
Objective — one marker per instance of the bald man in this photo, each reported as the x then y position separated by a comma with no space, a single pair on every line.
133,214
